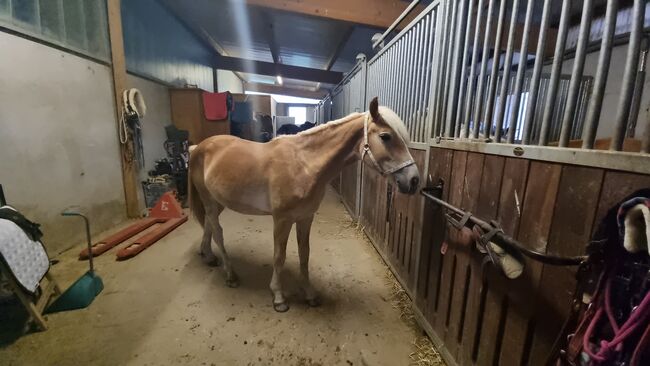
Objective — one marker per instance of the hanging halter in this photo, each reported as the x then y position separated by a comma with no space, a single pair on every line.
365,150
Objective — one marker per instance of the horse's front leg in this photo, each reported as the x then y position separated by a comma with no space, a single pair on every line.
303,228
281,230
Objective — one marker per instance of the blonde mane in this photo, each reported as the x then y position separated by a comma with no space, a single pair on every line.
388,115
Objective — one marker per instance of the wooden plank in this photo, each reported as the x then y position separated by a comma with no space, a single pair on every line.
485,208
118,69
463,246
536,218
448,278
439,167
572,222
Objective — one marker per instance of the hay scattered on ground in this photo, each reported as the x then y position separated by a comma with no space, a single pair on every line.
424,353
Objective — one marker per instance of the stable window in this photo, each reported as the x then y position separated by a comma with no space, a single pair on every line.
299,114
77,25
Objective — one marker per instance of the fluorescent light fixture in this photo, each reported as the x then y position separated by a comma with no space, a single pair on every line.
286,99
279,78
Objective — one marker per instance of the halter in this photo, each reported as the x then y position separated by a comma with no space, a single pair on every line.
365,150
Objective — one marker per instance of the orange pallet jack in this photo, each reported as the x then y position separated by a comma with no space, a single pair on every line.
167,213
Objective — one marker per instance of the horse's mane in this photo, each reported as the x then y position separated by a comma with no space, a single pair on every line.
391,118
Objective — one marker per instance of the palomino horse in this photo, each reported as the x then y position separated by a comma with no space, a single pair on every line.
287,178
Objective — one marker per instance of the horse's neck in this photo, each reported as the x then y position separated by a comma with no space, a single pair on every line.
328,151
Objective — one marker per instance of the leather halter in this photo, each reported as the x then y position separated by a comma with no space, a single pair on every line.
365,150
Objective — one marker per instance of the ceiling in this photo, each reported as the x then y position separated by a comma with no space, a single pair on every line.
258,33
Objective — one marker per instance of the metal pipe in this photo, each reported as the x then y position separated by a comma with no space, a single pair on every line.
422,79
494,75
629,75
449,64
399,19
521,71
576,73
426,87
470,88
556,70
405,70
604,58
500,237
463,72
505,83
456,59
417,76
638,91
537,71
442,59
413,84
481,79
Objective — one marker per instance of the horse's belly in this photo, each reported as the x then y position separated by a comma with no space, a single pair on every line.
252,202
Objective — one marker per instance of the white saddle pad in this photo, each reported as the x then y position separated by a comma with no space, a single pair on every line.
26,259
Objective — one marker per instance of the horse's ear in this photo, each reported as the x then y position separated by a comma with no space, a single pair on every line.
374,109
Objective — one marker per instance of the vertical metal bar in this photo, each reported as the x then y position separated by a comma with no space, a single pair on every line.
537,71
431,20
448,67
401,73
406,78
463,72
631,63
556,70
421,75
461,22
521,71
494,75
414,79
470,88
505,83
481,79
432,92
576,73
415,101
441,70
638,91
596,102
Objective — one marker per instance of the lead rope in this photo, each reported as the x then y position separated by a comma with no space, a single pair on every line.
365,150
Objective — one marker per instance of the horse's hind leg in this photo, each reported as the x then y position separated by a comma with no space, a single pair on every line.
217,234
206,249
281,230
303,228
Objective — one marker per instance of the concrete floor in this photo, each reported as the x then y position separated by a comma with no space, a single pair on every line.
166,306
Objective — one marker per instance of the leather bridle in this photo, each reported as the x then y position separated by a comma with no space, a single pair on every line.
365,150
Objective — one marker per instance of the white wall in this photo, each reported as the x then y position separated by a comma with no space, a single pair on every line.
228,81
58,140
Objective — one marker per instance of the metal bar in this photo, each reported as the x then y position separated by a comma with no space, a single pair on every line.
448,68
576,73
521,71
415,85
470,88
494,75
406,73
638,90
399,19
440,70
461,22
463,72
500,237
556,70
431,20
629,75
481,79
421,76
412,105
537,71
505,83
435,55
604,58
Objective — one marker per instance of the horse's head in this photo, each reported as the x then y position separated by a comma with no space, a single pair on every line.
385,143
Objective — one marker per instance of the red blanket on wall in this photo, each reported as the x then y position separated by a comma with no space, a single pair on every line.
215,105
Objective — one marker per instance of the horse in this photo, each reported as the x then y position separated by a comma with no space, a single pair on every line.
287,179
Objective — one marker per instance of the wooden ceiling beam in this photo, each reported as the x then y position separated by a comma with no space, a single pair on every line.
375,13
282,90
273,69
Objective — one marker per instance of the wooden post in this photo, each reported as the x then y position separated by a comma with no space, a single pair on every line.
118,67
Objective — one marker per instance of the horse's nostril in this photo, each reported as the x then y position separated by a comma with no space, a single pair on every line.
415,181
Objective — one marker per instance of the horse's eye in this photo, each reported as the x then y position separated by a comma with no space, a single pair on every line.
385,136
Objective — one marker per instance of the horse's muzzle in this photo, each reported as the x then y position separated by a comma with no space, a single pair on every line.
407,179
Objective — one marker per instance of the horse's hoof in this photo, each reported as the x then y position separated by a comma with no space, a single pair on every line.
315,302
215,262
232,281
281,307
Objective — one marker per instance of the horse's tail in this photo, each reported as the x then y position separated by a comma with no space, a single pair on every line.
196,205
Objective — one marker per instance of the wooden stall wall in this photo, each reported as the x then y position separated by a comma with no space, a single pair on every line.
349,187
476,314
